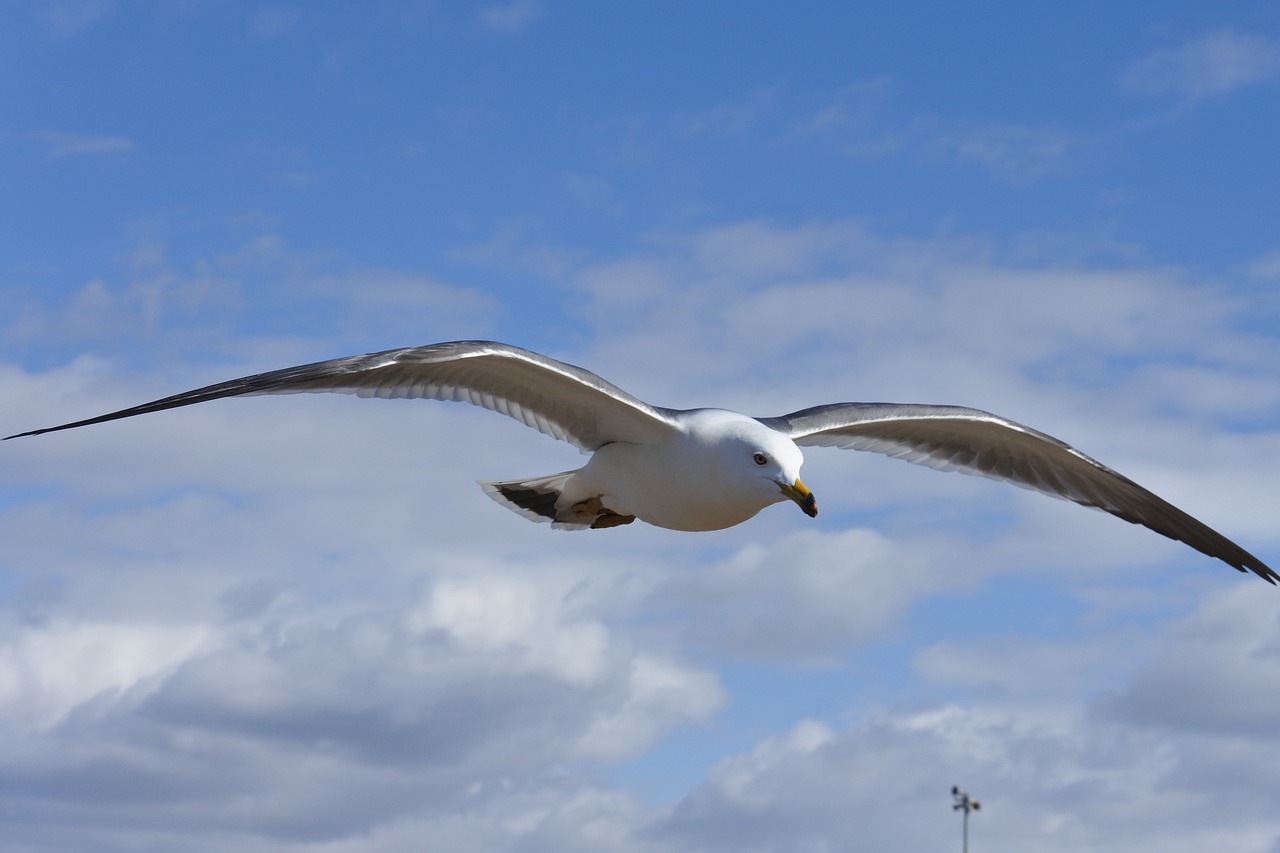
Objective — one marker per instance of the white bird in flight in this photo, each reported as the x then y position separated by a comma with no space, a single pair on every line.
704,469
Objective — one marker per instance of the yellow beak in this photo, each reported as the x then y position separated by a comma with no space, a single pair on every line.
800,493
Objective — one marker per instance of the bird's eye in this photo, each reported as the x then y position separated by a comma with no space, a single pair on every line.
760,458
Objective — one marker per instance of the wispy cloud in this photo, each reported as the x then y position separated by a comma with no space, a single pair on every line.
510,17
858,121
853,108
1212,65
1267,267
731,118
273,21
69,18
59,144
853,120
1018,153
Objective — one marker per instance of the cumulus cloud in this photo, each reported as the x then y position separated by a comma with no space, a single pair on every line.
1048,780
297,622
46,671
851,586
1219,671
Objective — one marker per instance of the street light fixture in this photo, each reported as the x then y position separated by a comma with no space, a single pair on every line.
965,803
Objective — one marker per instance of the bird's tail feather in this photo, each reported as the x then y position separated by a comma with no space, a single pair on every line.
536,500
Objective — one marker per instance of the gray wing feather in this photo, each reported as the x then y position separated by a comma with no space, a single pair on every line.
971,441
555,398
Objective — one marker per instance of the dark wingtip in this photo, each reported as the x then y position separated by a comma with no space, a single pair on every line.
1243,561
1264,572
47,429
1253,564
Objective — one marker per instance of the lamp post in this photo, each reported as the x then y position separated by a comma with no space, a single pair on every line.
963,802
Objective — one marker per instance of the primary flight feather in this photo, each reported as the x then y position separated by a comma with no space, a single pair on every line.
704,469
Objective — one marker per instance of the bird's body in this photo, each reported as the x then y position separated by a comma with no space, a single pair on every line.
705,469
689,477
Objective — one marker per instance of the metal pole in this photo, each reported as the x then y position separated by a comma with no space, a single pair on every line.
963,802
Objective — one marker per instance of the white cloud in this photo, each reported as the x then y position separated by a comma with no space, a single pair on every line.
46,671
805,597
661,695
516,616
1215,64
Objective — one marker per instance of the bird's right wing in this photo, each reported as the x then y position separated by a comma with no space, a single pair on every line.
558,399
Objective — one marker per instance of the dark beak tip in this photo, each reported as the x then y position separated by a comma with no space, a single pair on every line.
810,507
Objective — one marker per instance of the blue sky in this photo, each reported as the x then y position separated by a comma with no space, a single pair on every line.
287,624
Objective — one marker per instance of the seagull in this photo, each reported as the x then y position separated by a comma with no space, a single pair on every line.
704,469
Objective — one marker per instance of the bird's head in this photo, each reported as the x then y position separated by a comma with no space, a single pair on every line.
768,463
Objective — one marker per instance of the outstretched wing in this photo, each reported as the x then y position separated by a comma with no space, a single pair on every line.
954,438
561,400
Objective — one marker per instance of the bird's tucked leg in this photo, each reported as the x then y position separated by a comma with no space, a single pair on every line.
599,515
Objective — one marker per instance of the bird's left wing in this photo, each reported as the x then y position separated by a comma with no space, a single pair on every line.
558,399
971,441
